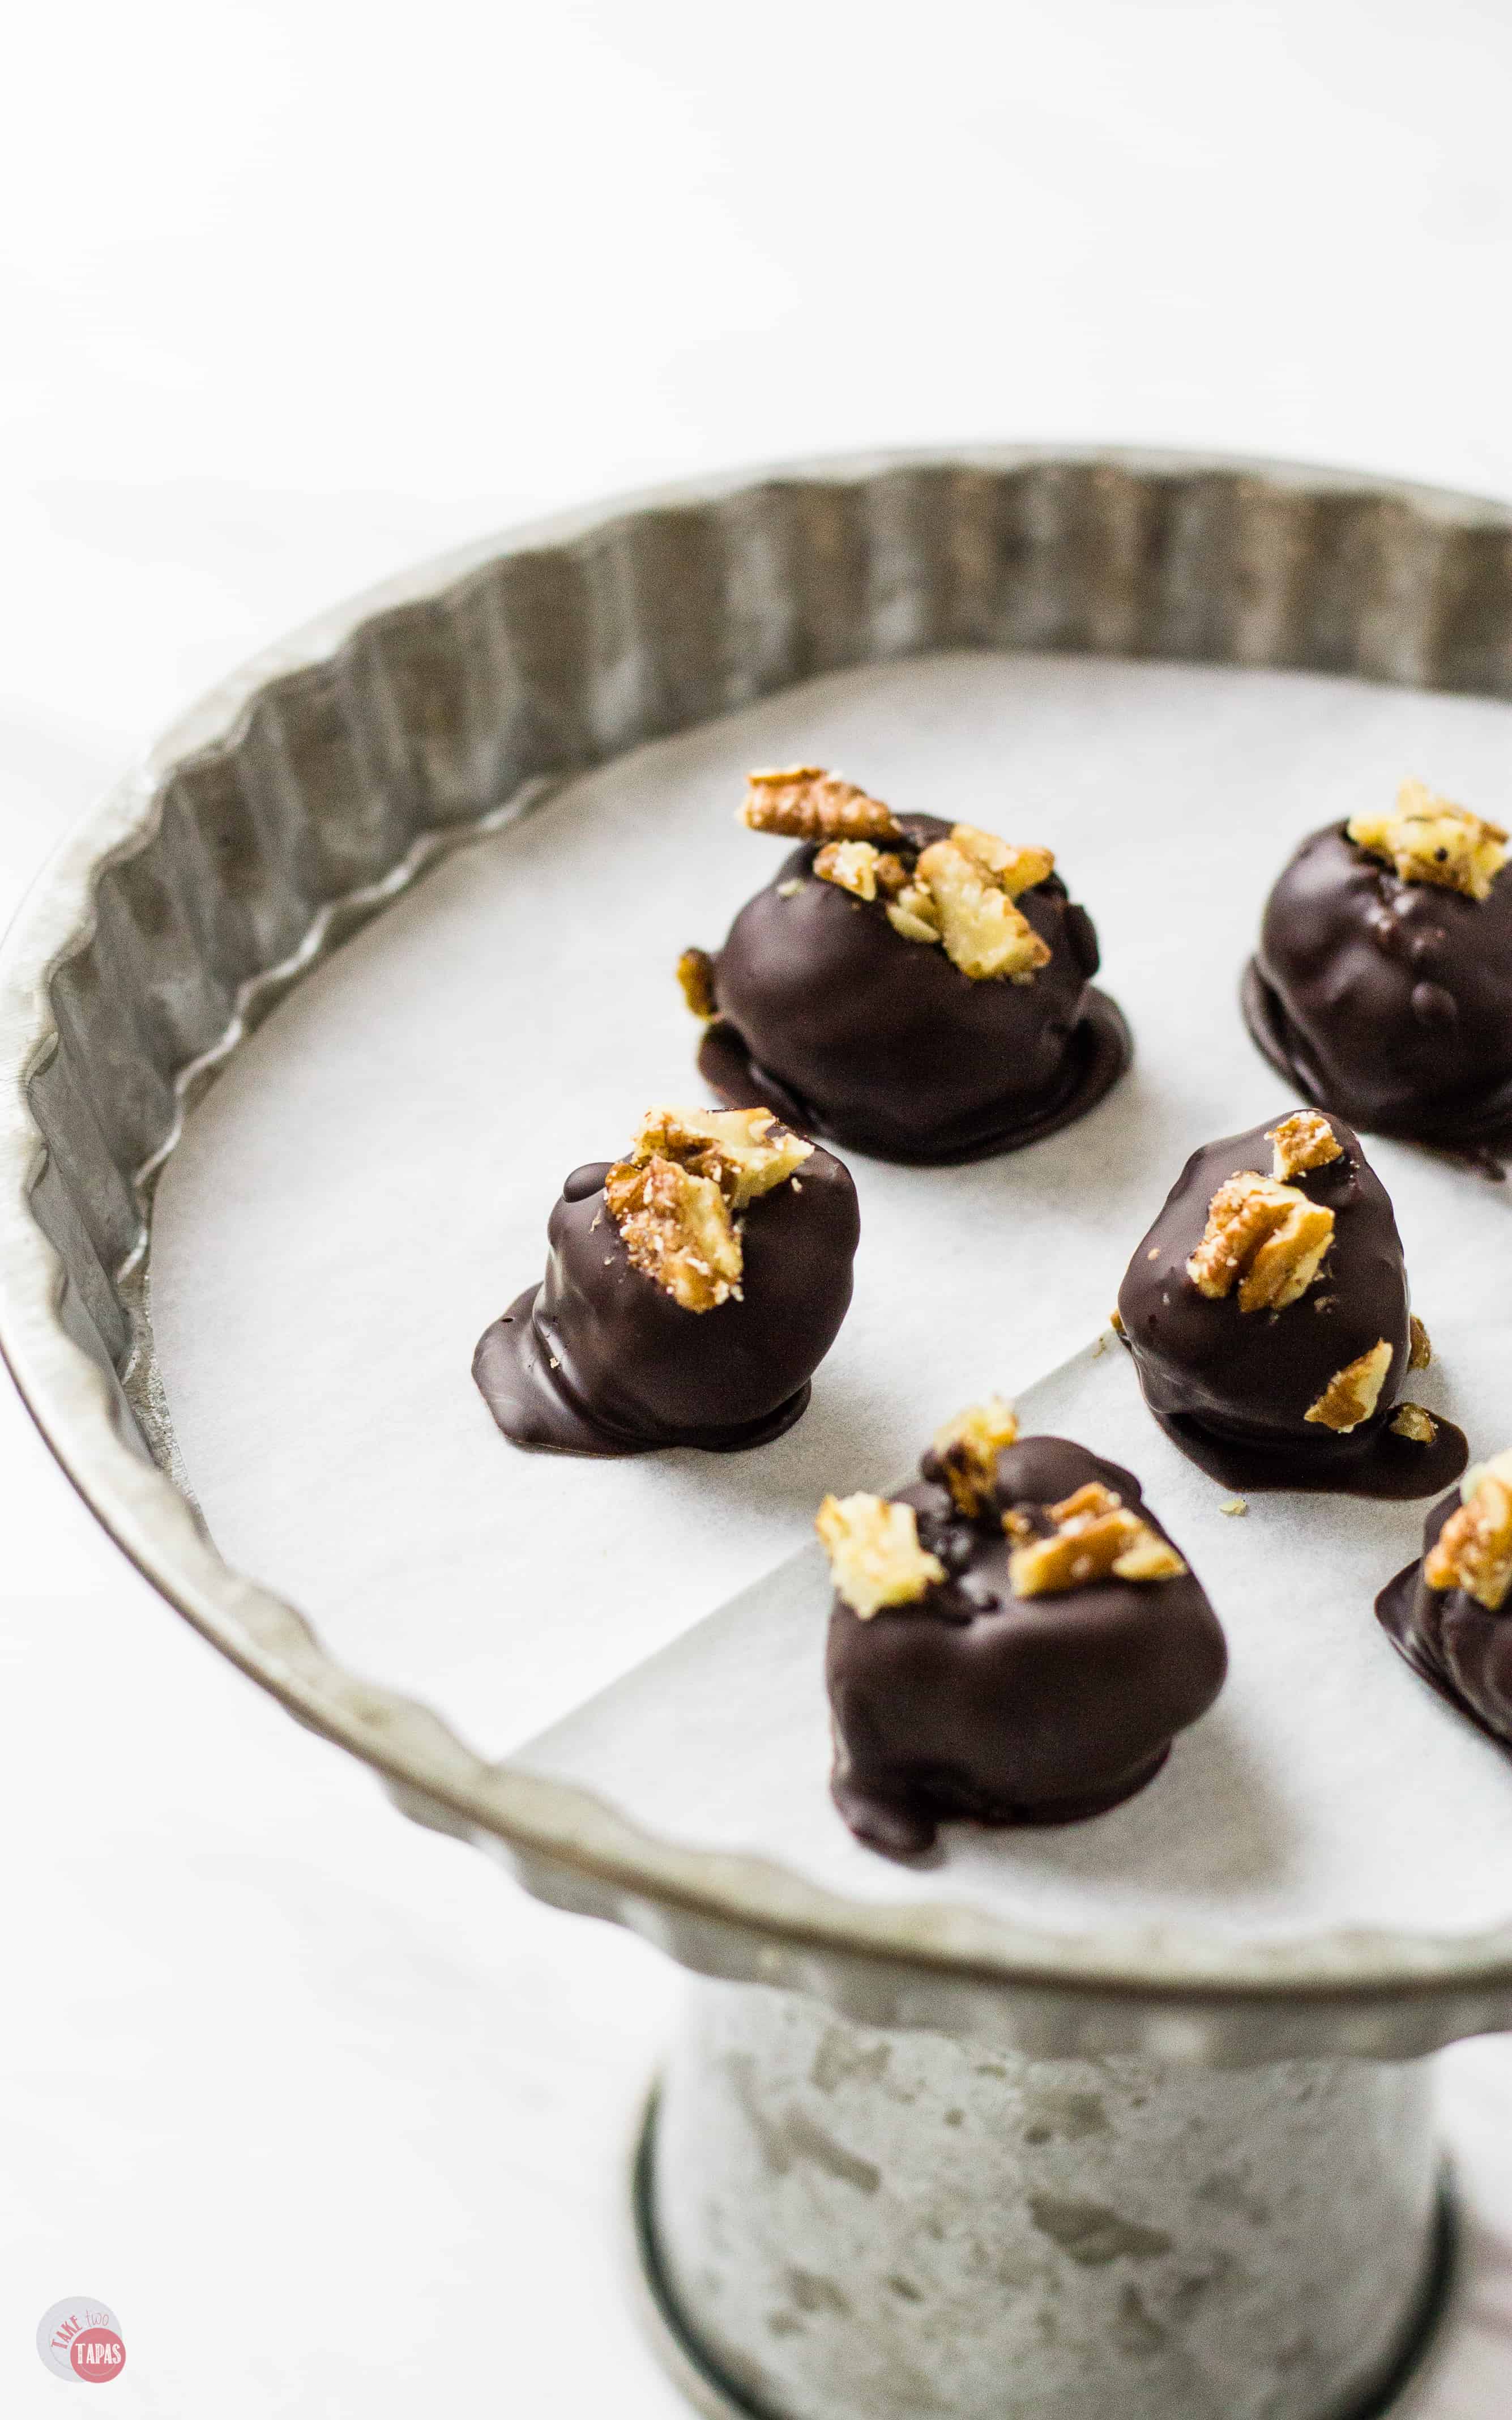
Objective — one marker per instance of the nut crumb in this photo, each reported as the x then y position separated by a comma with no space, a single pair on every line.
1304,1140
1095,1537
1428,839
803,802
1420,1350
874,1555
1411,1421
1235,1506
1116,1322
676,1197
695,973
1473,1549
1098,1347
1353,1393
1268,1236
967,1447
790,890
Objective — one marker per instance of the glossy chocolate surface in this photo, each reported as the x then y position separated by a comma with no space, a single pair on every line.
1012,1710
1389,1002
845,1029
1232,1389
599,1359
1460,1649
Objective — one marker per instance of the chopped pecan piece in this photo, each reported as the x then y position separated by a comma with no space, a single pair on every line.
1304,1140
874,1555
913,914
1411,1420
1353,1393
803,802
966,1450
676,1195
1427,839
984,934
851,866
1473,1549
1013,869
745,1152
1095,1538
1268,1236
1420,1351
677,1229
695,973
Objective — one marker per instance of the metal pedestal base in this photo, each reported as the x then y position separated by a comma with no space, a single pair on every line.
839,2225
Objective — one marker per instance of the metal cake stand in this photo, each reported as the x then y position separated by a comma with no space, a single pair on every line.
903,2159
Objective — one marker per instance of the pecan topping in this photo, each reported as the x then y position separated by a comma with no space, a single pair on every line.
1473,1549
695,973
913,914
1304,1140
983,932
1427,839
803,802
1268,1236
1411,1420
676,1197
1095,1538
852,865
874,1555
966,1450
1013,869
1420,1351
1353,1393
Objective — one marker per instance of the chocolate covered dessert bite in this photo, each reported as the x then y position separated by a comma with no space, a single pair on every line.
916,990
1450,1613
1383,983
691,1290
1015,1639
1267,1313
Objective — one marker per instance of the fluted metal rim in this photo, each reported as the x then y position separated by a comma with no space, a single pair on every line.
1175,1991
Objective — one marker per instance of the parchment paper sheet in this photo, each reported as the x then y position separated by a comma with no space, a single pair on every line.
369,1185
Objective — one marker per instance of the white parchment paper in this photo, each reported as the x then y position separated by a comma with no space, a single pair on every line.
369,1183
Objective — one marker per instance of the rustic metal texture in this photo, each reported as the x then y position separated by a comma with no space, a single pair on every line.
308,792
848,2225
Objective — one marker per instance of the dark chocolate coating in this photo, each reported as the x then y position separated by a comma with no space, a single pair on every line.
850,1031
600,1359
1454,1644
1012,1710
1390,1001
1233,1387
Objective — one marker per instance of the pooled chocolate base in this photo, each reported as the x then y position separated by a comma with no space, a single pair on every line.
1004,1710
1099,1052
1232,1389
847,1029
1389,1002
1370,1461
599,1359
1453,1643
513,1371
1478,1134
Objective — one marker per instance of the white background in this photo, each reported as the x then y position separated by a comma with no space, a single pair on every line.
291,293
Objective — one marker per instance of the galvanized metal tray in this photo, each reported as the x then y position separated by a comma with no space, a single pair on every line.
314,789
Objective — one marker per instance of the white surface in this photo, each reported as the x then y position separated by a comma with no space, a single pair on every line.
272,327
